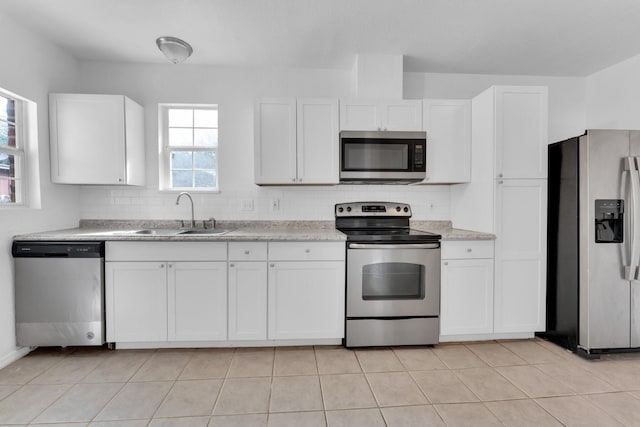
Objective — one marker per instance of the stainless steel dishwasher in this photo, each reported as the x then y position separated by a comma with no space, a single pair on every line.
59,293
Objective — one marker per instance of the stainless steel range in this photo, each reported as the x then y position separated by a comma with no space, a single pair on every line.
393,276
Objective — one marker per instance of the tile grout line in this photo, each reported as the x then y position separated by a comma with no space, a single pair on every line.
224,381
173,383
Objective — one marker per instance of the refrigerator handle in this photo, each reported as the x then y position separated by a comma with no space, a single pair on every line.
631,272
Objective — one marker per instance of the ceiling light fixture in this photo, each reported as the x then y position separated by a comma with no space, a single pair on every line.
174,49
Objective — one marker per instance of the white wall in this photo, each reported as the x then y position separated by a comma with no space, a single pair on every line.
613,96
235,91
567,95
32,67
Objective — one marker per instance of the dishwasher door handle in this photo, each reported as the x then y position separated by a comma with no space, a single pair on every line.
395,246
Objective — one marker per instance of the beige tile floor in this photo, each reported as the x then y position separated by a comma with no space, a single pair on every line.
510,383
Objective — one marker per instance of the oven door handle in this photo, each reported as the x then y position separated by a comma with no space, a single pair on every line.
401,246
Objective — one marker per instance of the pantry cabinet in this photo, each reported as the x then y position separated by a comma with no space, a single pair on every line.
296,141
400,115
467,295
508,182
520,264
306,290
448,126
96,139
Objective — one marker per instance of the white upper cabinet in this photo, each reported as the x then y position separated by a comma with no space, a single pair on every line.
96,139
404,115
521,131
448,126
296,141
275,141
317,137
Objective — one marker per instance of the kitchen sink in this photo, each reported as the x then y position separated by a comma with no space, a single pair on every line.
214,231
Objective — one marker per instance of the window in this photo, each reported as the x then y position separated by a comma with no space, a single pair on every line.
11,152
188,147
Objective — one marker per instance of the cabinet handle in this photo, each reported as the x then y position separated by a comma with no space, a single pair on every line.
247,252
161,265
119,179
469,249
446,263
272,265
307,251
501,182
293,180
170,265
299,179
499,175
232,265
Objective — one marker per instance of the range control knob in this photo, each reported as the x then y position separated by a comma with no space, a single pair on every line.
348,208
397,208
340,209
406,209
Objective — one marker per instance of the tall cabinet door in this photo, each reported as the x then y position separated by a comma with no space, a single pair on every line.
521,126
136,301
520,255
275,141
197,301
317,136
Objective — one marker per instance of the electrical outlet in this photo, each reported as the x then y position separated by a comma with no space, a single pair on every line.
275,205
246,205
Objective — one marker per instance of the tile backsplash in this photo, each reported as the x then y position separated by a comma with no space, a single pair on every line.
260,203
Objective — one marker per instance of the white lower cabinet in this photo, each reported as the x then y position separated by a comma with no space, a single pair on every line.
197,301
166,291
136,301
306,290
466,305
248,291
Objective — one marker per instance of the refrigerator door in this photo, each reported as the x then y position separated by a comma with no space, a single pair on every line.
634,137
605,306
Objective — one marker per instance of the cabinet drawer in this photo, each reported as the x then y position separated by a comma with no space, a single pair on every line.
306,251
166,251
247,251
467,249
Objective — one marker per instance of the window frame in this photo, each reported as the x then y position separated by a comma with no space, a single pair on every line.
19,152
165,150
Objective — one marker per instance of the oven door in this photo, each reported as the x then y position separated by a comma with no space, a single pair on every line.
393,280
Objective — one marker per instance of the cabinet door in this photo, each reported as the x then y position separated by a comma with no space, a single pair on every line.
248,300
136,301
197,303
466,297
275,141
402,115
317,141
521,131
448,126
521,227
306,300
360,115
87,134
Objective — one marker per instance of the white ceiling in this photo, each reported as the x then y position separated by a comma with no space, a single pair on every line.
532,37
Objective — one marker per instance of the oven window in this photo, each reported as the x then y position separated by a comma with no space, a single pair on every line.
393,281
372,156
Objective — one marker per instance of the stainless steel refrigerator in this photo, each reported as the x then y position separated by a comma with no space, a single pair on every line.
593,282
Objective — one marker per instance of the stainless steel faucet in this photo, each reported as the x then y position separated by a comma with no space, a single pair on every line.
184,193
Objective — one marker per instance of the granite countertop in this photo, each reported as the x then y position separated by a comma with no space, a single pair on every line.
92,230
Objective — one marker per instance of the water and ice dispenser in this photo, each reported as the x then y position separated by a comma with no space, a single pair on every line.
609,217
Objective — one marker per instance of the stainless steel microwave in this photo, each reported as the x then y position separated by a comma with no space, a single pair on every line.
382,157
